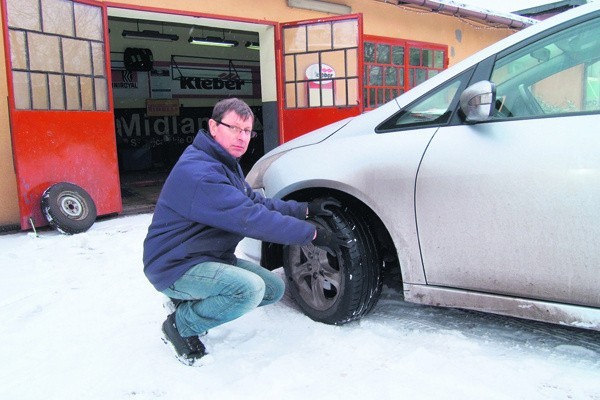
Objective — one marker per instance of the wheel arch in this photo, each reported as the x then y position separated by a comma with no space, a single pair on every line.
272,254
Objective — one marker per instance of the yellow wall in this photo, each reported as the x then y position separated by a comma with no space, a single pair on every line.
381,19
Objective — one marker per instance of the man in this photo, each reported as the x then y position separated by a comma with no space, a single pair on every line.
204,210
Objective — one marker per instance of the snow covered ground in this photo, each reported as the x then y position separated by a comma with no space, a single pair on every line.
80,321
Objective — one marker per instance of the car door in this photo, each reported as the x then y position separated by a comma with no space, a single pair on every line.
512,205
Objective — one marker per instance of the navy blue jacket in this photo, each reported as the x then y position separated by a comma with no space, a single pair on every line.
206,208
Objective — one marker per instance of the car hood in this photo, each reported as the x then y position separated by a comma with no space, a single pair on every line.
310,138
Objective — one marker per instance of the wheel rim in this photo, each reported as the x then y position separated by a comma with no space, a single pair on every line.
72,205
317,275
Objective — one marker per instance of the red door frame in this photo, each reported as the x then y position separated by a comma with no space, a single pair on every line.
51,146
297,121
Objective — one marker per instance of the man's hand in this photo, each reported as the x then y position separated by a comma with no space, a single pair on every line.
330,241
319,206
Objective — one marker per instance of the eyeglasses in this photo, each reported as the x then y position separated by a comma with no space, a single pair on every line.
238,130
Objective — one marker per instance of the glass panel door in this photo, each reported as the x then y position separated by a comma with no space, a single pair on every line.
321,78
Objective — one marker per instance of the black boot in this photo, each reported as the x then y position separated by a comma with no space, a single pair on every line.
170,304
189,349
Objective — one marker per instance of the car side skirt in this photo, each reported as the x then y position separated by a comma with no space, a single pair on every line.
557,313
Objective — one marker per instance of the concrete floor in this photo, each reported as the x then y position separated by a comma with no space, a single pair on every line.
140,190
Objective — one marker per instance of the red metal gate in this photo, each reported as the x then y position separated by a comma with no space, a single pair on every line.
61,108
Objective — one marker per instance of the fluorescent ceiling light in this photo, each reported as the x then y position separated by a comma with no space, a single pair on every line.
150,35
213,41
252,45
323,6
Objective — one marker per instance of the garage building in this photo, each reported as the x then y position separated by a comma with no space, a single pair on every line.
106,95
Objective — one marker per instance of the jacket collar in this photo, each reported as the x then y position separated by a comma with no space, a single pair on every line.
205,142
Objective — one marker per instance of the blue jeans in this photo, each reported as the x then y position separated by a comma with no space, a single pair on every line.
215,293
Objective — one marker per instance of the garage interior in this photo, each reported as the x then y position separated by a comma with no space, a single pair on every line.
165,85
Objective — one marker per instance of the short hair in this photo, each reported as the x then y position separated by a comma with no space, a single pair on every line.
232,104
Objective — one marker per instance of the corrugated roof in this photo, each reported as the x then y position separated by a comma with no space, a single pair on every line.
469,12
549,7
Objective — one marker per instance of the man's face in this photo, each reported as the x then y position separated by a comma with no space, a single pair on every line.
231,139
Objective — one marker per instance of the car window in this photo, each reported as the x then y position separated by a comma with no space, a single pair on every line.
435,108
559,74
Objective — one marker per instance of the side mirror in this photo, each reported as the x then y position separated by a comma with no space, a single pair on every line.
477,101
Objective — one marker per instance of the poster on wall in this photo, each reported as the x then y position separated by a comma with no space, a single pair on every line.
320,85
129,84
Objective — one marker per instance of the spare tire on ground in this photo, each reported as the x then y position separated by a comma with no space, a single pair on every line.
68,208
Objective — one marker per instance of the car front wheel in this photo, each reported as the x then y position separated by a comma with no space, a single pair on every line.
336,289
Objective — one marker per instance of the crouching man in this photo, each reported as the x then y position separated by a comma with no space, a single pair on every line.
204,210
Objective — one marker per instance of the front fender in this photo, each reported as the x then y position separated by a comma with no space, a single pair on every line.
378,170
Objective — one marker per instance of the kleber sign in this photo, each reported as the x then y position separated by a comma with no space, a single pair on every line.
217,81
320,85
187,81
211,84
323,74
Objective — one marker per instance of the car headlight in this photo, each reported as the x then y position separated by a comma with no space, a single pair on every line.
255,176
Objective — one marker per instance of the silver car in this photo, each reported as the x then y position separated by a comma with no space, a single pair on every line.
478,189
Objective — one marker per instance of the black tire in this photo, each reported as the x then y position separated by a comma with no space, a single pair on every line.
68,208
336,289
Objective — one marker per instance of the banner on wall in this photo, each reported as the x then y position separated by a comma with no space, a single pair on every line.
187,81
135,128
216,81
141,137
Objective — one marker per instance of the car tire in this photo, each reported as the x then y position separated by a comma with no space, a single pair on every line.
68,208
335,289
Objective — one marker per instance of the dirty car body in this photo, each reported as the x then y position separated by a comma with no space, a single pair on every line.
478,189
